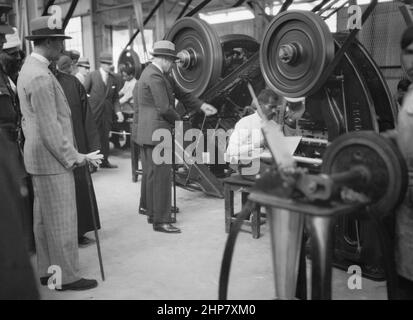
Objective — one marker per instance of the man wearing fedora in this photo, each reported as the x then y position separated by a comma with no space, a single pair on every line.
50,155
156,94
102,87
16,275
83,68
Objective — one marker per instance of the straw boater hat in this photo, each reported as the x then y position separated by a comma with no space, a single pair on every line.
40,29
106,57
13,40
164,48
4,10
84,62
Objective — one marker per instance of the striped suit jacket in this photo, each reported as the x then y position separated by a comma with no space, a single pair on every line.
47,124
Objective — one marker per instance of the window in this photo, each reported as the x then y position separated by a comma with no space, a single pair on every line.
74,30
121,39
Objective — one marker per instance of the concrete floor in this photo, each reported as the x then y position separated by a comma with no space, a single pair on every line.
143,264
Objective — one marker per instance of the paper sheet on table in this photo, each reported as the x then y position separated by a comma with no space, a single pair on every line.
291,145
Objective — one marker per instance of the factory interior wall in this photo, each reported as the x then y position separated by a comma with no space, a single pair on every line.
381,35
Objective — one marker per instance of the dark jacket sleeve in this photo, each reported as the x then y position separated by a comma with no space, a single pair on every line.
135,102
92,135
88,83
190,102
115,98
158,88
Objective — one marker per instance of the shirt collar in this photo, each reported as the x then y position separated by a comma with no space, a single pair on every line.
158,66
40,58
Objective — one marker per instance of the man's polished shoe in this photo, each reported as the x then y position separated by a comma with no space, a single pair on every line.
85,241
166,228
80,285
108,165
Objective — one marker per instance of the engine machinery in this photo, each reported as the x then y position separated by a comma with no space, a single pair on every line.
345,94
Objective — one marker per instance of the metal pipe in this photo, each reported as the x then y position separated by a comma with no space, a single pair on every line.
328,7
188,2
46,8
198,8
320,5
313,161
144,23
70,13
314,140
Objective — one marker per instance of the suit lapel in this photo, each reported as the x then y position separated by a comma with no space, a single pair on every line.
166,80
99,76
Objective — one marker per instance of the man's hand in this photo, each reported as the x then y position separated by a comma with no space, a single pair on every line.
94,158
120,117
208,109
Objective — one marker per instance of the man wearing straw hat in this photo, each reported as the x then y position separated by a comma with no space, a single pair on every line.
83,68
156,94
50,156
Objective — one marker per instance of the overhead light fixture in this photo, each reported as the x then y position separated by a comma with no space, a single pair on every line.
229,15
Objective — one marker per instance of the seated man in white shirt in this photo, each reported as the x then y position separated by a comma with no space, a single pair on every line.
246,143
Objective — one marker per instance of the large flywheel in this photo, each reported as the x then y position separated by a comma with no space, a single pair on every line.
200,53
296,48
130,58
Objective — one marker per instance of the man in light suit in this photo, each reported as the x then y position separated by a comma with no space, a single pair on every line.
50,156
156,94
103,89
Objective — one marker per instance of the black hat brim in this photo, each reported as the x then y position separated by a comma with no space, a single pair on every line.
38,37
170,55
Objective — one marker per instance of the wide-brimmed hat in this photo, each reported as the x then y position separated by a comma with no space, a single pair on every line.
164,48
13,40
4,10
83,62
106,57
45,27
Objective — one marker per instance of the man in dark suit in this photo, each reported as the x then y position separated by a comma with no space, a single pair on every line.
103,89
156,94
87,141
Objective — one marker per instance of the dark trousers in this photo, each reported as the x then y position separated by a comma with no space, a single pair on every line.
156,187
104,130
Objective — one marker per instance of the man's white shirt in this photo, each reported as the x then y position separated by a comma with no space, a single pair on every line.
247,139
127,91
104,75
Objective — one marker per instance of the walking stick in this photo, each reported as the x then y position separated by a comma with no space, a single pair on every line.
174,209
90,186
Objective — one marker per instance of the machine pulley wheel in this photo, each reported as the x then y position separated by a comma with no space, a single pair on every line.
382,161
296,48
129,57
200,52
